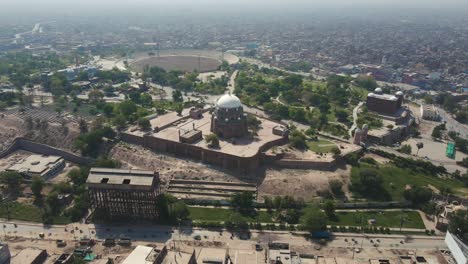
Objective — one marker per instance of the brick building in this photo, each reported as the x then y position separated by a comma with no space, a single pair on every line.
123,193
229,119
384,103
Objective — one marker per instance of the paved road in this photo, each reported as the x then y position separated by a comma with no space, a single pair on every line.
452,124
162,234
232,82
264,65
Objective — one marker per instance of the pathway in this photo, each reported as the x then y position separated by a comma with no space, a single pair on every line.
355,112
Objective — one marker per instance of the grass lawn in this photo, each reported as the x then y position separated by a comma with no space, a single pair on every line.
383,219
395,180
321,146
360,91
30,213
221,215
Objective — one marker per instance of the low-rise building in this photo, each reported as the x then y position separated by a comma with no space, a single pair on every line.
457,247
384,103
39,165
429,112
150,255
123,193
30,256
4,254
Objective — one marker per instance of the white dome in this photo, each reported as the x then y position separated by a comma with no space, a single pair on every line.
378,90
370,94
399,93
393,98
228,101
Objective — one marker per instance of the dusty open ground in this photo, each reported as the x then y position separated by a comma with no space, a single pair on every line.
12,126
184,63
272,181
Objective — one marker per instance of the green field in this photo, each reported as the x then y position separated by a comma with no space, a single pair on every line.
321,146
383,218
27,212
396,179
222,215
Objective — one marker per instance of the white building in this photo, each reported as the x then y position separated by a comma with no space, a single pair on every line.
39,165
429,112
458,249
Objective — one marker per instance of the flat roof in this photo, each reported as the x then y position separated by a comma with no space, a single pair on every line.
27,255
140,255
37,164
245,257
211,254
173,257
119,176
243,147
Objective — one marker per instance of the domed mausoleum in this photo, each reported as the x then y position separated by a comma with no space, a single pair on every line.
228,119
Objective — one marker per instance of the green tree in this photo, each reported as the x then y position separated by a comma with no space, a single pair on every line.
436,133
242,201
297,139
336,151
53,202
144,123
370,183
36,185
103,162
179,211
458,224
405,149
212,140
329,208
119,121
313,219
418,195
177,96
127,108
12,180
95,96
146,99
179,107
83,126
336,187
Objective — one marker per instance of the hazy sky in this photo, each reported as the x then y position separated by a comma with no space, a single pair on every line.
237,3
42,8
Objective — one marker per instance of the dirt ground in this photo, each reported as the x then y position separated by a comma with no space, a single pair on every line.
54,135
300,183
178,62
271,182
132,156
10,127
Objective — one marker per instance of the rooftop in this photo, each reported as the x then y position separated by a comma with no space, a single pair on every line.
118,177
141,255
27,255
37,164
173,257
243,147
211,255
